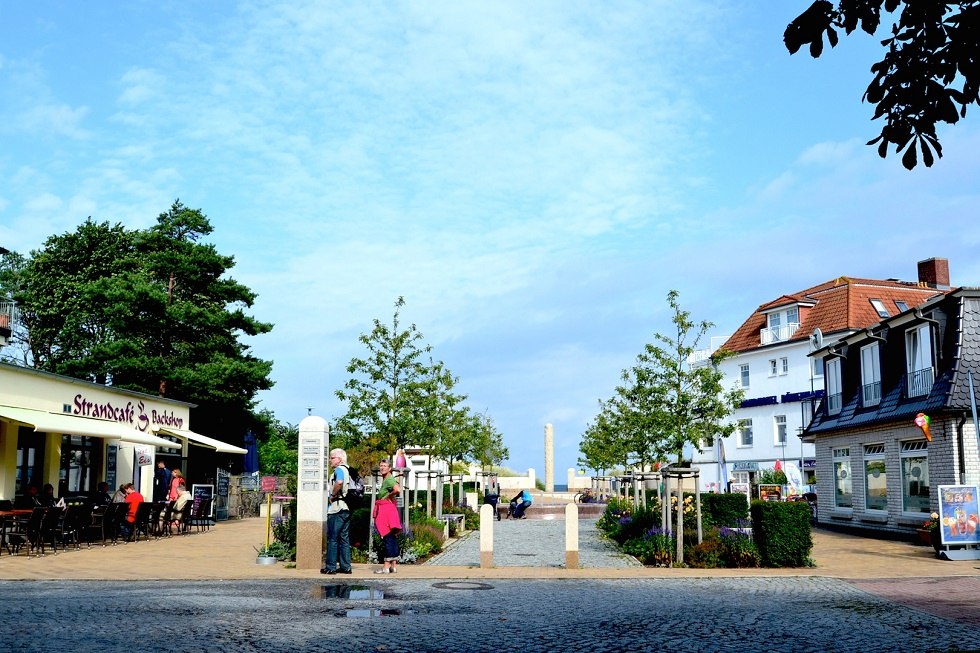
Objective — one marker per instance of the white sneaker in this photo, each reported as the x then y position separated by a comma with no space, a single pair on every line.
381,571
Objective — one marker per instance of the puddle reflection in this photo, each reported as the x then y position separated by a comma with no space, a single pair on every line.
355,592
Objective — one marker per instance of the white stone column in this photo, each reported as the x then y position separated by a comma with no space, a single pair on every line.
549,458
486,536
312,491
571,536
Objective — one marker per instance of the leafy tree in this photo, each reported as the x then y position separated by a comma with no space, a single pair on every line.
663,403
603,445
148,310
383,395
932,47
488,444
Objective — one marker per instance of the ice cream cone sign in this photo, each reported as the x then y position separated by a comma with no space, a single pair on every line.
922,421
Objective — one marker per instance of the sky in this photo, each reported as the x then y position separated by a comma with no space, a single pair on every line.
532,177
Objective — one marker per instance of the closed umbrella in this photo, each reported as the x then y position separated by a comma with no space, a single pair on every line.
251,454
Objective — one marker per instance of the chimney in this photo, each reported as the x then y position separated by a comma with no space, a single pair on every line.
934,272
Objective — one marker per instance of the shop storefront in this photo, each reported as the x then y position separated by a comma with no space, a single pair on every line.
74,434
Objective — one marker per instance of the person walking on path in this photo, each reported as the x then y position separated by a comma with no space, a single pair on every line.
161,482
337,557
386,518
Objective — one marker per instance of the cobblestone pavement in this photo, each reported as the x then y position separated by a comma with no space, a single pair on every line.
792,614
535,543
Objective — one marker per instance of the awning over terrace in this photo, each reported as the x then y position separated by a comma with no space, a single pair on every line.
202,440
86,426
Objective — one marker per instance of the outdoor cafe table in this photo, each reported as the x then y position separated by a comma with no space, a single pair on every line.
7,516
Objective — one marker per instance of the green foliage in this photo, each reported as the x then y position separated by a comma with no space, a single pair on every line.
781,530
396,396
730,509
623,522
148,310
284,531
771,477
278,451
740,549
470,517
655,548
927,52
663,403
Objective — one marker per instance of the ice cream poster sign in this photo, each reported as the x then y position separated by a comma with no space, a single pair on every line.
959,514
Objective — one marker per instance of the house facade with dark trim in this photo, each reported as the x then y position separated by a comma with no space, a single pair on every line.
877,471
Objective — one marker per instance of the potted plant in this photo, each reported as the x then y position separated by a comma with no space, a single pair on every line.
929,531
265,556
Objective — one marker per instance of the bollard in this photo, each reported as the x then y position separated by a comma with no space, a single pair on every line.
571,536
486,536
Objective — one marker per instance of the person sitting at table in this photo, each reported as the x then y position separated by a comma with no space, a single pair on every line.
101,496
181,503
134,499
29,499
46,500
120,495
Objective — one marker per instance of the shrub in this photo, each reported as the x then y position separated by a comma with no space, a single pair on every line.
471,517
655,548
709,554
727,509
740,550
781,531
284,532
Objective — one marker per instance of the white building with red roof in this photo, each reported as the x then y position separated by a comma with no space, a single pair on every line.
782,383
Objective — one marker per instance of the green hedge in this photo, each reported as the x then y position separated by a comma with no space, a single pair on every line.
781,531
730,509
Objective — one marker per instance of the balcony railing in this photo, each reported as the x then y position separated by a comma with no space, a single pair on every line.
778,334
834,404
920,382
871,394
6,320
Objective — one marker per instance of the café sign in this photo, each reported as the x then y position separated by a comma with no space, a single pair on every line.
135,415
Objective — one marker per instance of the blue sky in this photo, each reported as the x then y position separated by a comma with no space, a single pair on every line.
533,178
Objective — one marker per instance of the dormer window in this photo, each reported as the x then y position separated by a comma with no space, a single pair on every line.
879,306
781,325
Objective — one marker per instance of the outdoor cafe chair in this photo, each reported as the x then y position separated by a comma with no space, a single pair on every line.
51,525
27,533
141,523
167,519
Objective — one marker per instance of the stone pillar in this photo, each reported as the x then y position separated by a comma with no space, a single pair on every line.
571,536
549,458
312,491
486,536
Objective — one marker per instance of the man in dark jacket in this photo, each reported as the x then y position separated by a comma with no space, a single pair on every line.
161,482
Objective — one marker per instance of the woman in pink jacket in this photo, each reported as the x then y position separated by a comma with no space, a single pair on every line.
176,480
386,518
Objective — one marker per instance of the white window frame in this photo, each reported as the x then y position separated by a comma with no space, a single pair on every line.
832,380
779,430
843,483
880,308
918,350
793,315
784,365
870,375
915,463
874,461
743,371
817,367
772,367
745,436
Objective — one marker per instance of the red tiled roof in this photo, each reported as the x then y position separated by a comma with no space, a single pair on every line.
838,306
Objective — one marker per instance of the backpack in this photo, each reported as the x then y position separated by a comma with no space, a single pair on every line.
353,486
